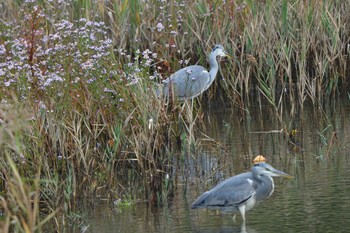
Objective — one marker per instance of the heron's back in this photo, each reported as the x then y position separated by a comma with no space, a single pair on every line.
188,82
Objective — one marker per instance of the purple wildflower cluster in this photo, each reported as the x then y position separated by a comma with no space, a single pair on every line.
66,54
73,52
82,50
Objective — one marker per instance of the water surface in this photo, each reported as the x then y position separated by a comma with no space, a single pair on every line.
316,200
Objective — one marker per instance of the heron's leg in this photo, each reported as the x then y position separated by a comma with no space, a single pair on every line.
234,217
243,228
192,123
189,122
242,211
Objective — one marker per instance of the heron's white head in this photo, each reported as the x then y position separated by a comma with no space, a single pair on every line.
219,50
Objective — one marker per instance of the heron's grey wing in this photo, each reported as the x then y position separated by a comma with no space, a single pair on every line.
229,193
188,82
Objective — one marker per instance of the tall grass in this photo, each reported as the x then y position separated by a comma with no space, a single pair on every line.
79,111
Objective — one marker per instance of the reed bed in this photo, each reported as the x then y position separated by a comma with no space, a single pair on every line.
79,114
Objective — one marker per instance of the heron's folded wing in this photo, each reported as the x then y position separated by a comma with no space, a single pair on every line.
187,82
229,193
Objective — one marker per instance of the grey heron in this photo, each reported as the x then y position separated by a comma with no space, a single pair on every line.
191,81
240,193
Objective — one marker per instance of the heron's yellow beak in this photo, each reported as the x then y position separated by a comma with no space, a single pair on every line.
226,55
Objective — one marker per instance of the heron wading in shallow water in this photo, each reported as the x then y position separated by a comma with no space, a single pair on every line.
192,81
240,193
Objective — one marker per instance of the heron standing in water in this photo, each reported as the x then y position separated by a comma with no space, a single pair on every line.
240,193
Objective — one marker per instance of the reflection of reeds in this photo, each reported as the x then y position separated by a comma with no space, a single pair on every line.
95,123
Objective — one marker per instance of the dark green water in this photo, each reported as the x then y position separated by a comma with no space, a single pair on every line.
316,200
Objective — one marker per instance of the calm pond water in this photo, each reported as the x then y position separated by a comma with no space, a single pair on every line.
316,200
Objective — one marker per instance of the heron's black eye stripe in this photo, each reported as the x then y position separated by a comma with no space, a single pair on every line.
216,47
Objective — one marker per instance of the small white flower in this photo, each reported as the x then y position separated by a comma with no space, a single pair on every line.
160,27
150,123
8,83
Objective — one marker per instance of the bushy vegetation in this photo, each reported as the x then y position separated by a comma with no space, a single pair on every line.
79,115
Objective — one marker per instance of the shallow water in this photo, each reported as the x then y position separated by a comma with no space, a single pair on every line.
316,200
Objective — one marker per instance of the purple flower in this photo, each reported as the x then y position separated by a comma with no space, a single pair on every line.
160,27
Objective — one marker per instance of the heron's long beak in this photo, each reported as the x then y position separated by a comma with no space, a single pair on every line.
226,55
282,174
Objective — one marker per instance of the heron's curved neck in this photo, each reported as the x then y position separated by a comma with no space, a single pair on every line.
214,67
265,188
